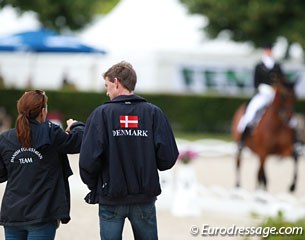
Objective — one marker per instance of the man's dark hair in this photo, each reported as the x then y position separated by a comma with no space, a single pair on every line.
124,72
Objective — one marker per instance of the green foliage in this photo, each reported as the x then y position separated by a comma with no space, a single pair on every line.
187,113
63,14
197,113
255,21
76,105
278,222
105,7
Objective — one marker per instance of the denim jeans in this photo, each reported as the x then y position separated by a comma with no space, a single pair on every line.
141,216
42,231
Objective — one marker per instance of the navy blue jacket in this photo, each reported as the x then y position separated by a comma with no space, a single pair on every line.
126,141
37,188
267,76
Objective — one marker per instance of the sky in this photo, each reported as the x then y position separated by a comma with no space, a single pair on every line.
12,22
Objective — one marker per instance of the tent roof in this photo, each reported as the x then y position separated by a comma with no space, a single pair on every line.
44,40
143,24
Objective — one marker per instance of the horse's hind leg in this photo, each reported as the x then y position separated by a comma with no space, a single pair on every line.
295,174
238,159
261,176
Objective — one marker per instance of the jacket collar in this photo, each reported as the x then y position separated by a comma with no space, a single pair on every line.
127,98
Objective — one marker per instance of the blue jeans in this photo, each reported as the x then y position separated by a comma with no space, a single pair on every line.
42,231
141,216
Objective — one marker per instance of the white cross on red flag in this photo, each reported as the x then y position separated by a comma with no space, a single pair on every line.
129,121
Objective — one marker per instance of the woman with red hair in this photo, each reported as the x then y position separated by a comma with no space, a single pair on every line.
34,162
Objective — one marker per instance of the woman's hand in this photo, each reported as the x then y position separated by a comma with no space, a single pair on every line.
69,124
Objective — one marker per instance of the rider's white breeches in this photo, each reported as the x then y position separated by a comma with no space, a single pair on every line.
263,98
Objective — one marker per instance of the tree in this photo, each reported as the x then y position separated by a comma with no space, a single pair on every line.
256,21
63,14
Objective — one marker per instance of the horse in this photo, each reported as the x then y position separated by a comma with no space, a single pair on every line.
272,134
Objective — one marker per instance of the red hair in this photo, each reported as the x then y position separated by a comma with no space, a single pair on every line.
29,106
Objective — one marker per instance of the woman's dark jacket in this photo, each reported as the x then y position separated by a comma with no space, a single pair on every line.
37,188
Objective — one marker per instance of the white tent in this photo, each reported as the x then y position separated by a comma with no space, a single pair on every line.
146,25
156,36
43,70
12,22
161,40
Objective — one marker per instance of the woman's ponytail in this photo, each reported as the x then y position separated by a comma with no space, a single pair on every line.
23,130
29,106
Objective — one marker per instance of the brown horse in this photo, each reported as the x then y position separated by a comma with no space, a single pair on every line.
271,136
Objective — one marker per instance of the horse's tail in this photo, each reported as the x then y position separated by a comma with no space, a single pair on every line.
236,118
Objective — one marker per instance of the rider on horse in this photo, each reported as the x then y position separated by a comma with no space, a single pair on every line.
266,73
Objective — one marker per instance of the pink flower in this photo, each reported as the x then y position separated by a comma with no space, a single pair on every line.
187,156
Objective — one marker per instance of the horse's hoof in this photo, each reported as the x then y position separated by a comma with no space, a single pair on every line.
292,188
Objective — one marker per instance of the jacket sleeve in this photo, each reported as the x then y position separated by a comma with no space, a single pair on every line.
165,143
3,171
256,76
70,143
91,151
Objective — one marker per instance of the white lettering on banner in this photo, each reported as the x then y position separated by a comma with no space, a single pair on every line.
225,78
129,132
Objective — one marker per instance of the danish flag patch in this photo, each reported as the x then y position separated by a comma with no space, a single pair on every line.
129,121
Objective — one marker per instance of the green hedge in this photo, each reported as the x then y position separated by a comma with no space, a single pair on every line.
187,113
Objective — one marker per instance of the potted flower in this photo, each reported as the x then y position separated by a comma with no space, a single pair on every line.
187,156
186,186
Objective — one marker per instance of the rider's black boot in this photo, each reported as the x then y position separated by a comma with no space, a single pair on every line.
243,137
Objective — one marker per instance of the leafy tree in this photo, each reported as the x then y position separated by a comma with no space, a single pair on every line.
63,14
257,21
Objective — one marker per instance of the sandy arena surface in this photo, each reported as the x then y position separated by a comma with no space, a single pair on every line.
219,203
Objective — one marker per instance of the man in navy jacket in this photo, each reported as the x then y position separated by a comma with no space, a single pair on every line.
126,141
